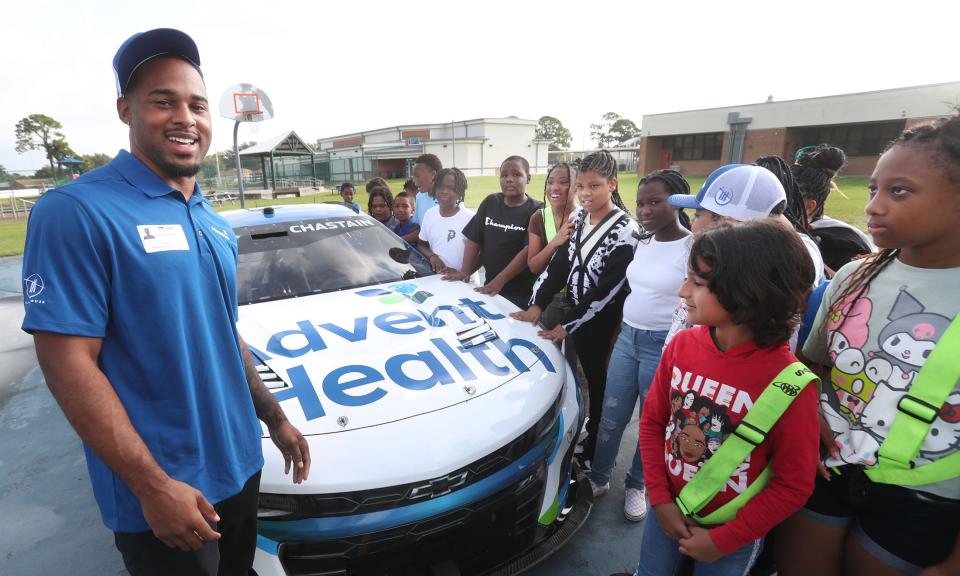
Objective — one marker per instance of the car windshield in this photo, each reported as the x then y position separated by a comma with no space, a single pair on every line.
299,258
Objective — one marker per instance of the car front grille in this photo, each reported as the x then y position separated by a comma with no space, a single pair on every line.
298,507
473,538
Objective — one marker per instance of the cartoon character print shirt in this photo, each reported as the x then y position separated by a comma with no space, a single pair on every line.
698,396
876,345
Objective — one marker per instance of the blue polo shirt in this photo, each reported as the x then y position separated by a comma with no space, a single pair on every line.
118,255
422,205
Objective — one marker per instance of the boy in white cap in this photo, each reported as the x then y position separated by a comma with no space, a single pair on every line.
737,193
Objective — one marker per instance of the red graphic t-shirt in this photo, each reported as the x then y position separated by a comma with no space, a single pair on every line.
698,396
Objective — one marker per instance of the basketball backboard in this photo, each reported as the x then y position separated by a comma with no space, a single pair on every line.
245,103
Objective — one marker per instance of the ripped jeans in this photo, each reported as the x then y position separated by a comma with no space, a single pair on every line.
632,366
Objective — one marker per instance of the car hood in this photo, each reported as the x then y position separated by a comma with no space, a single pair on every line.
370,356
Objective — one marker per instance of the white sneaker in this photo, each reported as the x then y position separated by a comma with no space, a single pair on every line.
599,491
634,504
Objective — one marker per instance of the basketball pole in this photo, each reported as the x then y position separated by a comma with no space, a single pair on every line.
236,159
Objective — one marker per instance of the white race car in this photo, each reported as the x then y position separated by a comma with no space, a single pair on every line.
442,431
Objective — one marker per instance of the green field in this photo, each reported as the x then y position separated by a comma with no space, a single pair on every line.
847,206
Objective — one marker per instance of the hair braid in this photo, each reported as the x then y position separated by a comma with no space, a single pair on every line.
944,135
675,183
795,212
603,163
571,174
459,182
814,169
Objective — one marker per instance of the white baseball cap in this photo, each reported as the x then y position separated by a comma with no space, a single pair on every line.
739,191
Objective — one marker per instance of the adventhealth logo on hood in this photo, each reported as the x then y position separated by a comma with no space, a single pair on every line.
420,370
397,293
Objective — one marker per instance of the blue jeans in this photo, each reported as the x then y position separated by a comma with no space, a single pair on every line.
632,366
660,555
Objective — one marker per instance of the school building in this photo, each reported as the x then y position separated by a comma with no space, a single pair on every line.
475,146
698,141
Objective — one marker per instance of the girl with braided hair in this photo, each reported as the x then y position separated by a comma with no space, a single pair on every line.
548,231
814,170
792,212
591,265
654,276
879,320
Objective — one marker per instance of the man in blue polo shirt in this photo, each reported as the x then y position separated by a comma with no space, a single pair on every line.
130,293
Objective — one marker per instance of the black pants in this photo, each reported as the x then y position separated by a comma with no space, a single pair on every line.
145,555
594,342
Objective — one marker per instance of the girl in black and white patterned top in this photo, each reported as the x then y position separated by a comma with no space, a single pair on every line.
592,266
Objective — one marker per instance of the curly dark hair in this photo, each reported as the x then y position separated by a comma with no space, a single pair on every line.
375,182
760,273
429,160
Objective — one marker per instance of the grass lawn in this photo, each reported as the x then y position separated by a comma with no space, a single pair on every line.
847,206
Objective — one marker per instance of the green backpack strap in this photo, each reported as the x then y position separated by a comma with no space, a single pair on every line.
750,433
548,225
918,409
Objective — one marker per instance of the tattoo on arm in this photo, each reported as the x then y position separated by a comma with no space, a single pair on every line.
267,407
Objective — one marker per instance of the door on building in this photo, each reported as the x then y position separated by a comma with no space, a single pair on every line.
666,158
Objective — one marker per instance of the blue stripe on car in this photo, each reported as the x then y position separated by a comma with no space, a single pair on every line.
345,526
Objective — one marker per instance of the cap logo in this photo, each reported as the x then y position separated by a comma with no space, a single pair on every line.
724,196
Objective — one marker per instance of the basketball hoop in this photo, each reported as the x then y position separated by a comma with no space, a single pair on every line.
244,103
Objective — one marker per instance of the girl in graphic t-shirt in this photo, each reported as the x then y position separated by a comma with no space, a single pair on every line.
497,236
591,266
878,323
746,285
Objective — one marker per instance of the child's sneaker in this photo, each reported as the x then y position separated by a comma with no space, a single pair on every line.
599,491
634,504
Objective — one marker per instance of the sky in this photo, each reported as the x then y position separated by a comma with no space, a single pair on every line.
337,67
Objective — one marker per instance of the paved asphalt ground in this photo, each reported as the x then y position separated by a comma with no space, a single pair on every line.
50,523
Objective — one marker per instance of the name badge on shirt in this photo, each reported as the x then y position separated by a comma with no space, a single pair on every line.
162,237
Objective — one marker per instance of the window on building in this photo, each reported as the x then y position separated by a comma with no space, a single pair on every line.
855,139
695,146
414,140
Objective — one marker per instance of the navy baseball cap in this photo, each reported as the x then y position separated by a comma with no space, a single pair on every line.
144,46
739,191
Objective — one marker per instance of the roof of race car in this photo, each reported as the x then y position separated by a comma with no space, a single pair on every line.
285,213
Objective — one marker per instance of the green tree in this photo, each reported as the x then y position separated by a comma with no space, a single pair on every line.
41,132
552,129
91,161
623,130
613,130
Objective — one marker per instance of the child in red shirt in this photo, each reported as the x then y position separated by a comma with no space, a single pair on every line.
745,288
